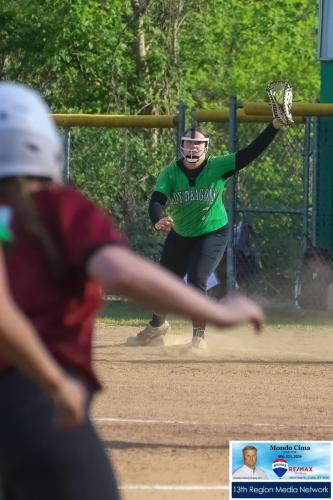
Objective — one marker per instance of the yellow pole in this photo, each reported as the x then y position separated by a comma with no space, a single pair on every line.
206,115
116,121
298,109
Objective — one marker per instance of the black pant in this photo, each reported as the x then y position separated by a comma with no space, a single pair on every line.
40,462
198,257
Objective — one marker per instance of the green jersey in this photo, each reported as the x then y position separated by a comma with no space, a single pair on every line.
6,235
196,209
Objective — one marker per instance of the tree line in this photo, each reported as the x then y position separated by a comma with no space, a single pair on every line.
145,57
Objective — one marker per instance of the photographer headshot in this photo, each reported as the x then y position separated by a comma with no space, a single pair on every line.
249,469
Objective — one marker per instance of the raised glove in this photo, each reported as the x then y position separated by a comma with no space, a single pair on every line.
280,96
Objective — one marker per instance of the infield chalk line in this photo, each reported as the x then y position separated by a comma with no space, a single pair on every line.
175,487
188,422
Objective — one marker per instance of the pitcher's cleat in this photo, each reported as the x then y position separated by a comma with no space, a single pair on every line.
198,343
150,335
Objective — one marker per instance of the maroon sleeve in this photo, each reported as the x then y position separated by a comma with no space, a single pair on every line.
83,226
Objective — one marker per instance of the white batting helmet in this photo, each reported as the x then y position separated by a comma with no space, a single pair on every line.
190,136
30,144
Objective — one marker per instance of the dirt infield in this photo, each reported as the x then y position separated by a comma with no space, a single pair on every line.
167,414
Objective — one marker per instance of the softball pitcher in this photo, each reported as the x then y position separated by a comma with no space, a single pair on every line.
190,190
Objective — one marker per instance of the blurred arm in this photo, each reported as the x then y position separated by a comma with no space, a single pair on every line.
155,288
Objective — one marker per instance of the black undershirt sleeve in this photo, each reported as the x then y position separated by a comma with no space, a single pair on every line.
242,158
246,155
156,206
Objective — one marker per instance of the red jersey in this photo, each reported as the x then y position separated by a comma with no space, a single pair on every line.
64,309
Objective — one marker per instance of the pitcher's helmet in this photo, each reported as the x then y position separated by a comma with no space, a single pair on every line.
194,136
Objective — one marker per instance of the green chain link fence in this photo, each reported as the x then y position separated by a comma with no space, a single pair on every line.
272,197
273,204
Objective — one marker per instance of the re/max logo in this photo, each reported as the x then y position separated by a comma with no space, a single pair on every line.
301,469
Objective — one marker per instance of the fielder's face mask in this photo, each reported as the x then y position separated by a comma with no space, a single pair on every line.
194,146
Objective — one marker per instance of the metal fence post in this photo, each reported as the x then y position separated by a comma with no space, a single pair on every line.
306,182
181,124
315,180
231,279
194,123
67,147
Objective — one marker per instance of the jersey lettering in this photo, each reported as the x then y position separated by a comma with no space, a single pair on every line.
183,197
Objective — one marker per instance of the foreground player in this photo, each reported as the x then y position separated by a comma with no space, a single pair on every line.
198,223
65,248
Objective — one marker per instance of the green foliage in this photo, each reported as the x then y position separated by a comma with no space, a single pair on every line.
144,56
118,170
84,55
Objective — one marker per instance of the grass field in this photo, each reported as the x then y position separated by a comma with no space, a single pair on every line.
121,312
117,311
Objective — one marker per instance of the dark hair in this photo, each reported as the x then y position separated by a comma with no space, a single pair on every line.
13,190
195,129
